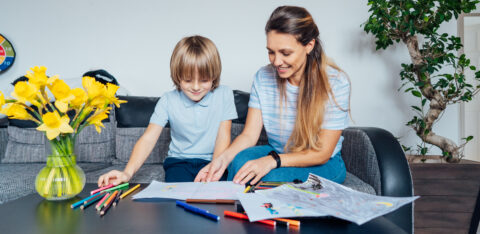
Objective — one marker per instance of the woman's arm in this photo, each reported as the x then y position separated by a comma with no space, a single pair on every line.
256,169
249,137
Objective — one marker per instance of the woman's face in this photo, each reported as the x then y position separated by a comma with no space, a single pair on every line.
288,55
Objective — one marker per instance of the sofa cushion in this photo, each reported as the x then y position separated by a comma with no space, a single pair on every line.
237,128
92,146
3,141
25,145
127,137
357,184
136,112
241,105
360,158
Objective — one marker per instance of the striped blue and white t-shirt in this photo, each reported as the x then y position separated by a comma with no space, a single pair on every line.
265,96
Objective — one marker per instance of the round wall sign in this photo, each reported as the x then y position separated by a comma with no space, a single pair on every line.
7,54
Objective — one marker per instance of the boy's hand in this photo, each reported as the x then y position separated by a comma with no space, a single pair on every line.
113,177
212,171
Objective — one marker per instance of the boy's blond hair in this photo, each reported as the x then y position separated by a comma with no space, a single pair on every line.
195,54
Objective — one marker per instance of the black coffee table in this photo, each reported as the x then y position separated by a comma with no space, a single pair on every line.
33,214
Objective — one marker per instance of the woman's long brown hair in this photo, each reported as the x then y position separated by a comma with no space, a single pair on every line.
314,88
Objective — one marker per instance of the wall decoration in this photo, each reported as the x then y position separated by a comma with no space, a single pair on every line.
7,54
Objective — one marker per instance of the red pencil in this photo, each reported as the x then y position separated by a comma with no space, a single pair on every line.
242,216
100,189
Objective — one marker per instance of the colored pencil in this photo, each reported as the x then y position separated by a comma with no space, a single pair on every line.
217,201
290,221
100,203
247,189
108,203
77,204
129,191
94,196
100,189
117,198
243,216
115,188
268,185
273,182
197,210
91,201
258,187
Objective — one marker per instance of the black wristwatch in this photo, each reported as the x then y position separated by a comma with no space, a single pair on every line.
276,157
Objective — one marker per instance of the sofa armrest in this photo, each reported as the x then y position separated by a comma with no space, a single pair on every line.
395,176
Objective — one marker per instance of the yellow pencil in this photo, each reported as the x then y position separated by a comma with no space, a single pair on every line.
247,189
129,191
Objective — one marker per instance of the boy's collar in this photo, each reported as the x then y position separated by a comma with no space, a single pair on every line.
189,103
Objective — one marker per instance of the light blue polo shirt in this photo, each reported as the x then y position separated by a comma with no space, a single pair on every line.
279,125
194,125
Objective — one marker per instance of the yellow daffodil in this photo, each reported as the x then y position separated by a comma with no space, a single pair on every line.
25,92
110,95
61,92
97,119
53,125
2,100
95,90
80,97
16,111
39,77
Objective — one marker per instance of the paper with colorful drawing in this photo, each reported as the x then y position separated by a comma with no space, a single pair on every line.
318,197
191,190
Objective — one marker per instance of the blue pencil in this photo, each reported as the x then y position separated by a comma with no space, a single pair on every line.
94,199
77,204
197,210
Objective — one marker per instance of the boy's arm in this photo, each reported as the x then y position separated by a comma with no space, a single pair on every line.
223,138
143,148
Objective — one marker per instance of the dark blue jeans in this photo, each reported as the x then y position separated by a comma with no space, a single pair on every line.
333,170
184,170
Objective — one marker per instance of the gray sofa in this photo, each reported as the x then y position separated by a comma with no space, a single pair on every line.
374,160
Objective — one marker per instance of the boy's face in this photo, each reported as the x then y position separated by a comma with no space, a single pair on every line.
196,88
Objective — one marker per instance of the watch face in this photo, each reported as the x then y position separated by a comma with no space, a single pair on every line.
7,54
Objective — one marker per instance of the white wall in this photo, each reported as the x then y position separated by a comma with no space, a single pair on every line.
134,40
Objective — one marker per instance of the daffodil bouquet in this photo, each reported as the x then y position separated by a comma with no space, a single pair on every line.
62,119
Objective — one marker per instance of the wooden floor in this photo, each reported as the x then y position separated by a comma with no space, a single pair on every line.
448,195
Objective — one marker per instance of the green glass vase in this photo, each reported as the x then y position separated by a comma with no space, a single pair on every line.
61,178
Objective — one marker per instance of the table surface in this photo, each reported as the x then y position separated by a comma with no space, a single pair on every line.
33,214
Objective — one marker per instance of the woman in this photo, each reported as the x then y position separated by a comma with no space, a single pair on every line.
302,100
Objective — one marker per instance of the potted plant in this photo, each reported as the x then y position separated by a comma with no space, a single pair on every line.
415,23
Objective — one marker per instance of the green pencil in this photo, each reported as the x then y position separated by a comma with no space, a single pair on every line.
115,188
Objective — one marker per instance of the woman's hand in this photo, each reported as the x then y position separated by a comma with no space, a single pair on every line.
113,177
212,171
254,170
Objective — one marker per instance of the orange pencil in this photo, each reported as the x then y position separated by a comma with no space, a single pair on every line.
242,216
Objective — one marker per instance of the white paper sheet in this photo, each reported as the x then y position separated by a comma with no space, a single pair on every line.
191,190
